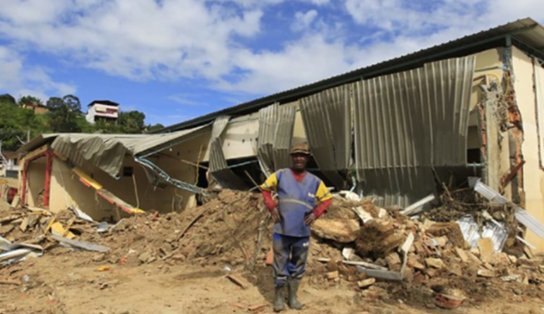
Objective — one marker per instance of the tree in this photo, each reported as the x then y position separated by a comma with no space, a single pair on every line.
131,122
153,128
7,98
30,100
64,114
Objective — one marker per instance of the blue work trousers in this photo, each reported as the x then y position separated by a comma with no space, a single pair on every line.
290,255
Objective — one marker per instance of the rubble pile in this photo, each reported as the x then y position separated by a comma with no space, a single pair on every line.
355,242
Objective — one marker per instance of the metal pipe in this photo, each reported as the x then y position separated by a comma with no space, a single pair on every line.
163,175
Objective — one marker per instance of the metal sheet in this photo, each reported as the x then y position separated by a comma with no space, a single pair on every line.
327,122
218,166
107,151
409,122
275,134
521,214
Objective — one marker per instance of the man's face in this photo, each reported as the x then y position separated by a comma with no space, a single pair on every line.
299,161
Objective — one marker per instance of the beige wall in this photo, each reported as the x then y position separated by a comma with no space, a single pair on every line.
489,68
36,182
67,190
533,173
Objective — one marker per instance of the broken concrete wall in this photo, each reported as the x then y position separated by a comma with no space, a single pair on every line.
36,182
179,161
67,190
489,72
526,88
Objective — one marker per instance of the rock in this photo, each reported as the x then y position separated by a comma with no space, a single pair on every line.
393,260
378,238
513,259
511,278
332,275
449,229
482,272
450,298
145,257
366,283
462,254
414,263
456,269
441,241
486,250
339,230
435,263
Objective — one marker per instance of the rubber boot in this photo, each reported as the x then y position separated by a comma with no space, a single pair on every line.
279,300
293,289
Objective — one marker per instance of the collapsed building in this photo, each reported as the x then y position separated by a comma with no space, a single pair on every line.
469,107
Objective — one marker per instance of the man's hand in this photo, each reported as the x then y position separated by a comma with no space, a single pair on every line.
275,215
309,219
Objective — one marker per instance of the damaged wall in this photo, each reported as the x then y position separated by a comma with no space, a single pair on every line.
410,122
36,182
489,72
178,161
533,176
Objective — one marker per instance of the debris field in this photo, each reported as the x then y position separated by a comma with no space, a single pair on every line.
375,259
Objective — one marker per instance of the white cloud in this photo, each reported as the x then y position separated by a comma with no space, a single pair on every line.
300,62
20,79
303,20
173,39
139,39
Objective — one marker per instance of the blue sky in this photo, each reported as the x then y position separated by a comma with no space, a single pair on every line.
178,59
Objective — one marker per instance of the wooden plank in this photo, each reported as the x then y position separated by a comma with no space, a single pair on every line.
238,281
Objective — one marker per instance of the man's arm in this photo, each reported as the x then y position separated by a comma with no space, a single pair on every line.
267,187
324,198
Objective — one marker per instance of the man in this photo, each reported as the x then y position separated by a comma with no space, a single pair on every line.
302,198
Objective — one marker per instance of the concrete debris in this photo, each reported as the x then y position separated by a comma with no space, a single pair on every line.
435,263
339,230
332,275
366,283
345,248
485,246
482,272
378,238
450,298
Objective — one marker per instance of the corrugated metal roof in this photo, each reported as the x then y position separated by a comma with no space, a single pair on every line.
275,133
327,122
524,33
106,151
412,120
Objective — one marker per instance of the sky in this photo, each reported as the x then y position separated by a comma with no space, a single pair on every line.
178,59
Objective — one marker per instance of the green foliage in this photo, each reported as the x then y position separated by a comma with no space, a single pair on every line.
64,113
153,128
18,125
132,122
30,100
7,98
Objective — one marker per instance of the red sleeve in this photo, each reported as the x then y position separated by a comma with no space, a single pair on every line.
322,208
269,202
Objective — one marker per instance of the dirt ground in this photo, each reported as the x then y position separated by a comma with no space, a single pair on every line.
179,263
65,282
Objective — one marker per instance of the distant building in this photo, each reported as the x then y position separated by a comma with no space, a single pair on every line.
37,108
102,110
9,164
